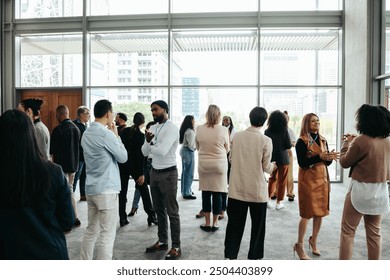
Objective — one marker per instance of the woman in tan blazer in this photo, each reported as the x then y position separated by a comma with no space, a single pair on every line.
313,181
212,143
368,156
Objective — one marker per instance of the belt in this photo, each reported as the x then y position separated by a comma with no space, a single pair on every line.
172,168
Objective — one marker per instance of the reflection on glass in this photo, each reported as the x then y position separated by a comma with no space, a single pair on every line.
129,59
224,57
129,106
299,57
300,101
234,102
196,6
49,8
300,5
128,7
51,60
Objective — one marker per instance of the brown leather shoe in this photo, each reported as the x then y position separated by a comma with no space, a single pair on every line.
200,214
83,198
173,254
157,247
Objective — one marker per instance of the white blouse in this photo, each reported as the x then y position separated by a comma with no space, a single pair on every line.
370,198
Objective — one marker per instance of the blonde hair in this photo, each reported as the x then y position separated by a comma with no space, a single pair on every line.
213,115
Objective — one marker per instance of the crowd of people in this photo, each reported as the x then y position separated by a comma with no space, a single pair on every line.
40,172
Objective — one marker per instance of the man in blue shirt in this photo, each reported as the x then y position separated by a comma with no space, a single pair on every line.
103,149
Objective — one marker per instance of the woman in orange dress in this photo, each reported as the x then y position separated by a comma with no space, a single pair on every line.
313,181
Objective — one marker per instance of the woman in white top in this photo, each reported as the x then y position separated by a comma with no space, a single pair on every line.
187,140
32,107
368,156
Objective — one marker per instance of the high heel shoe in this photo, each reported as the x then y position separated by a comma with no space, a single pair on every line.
298,247
152,219
133,212
315,251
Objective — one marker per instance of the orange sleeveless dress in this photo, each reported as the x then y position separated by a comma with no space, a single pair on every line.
313,183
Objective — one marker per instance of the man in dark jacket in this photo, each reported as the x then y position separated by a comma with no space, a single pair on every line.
64,149
83,115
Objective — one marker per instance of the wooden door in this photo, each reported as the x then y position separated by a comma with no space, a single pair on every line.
71,98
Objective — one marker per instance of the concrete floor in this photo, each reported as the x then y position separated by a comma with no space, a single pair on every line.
281,233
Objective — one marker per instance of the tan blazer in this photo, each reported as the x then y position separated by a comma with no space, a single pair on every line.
369,158
250,158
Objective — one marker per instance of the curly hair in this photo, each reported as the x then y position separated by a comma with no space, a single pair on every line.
35,104
373,121
186,124
277,121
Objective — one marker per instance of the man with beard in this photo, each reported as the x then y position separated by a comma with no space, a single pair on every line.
120,122
162,141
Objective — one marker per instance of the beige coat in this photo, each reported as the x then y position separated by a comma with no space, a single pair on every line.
213,145
250,158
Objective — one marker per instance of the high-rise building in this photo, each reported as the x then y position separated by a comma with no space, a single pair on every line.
190,97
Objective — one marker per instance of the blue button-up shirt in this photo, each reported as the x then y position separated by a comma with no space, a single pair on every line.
102,152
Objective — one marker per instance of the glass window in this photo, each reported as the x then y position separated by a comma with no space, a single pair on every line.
299,57
51,61
196,6
128,7
300,5
224,57
129,59
129,100
301,101
195,101
49,8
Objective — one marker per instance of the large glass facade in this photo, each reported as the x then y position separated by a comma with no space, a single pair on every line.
48,8
192,54
51,60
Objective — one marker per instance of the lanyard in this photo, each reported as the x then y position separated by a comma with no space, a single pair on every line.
158,131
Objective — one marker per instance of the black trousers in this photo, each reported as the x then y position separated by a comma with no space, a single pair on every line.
144,190
237,213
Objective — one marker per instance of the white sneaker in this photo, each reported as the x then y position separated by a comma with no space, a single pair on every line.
279,206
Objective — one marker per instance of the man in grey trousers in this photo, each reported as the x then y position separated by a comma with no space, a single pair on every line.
162,141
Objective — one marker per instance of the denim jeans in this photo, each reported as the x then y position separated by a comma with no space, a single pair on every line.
136,198
80,177
187,174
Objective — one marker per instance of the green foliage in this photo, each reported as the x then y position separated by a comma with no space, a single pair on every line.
131,108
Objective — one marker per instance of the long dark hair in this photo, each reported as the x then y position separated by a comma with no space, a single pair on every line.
138,119
231,126
277,122
24,176
373,121
186,124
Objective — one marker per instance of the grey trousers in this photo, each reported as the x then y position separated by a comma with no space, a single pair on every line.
163,187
